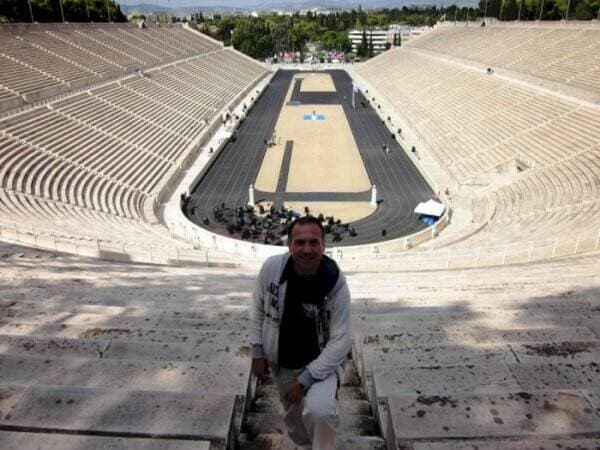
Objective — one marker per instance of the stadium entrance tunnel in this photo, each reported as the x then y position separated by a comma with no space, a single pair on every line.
292,166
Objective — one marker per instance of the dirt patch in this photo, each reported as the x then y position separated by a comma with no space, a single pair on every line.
433,399
243,351
524,395
95,332
564,349
550,407
377,339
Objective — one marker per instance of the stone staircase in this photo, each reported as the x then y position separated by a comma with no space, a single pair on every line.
87,362
492,373
263,427
116,356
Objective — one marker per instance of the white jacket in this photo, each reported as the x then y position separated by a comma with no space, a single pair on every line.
267,309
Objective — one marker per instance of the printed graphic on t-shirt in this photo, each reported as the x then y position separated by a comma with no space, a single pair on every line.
310,310
274,291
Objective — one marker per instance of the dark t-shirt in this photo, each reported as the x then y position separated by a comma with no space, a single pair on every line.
298,342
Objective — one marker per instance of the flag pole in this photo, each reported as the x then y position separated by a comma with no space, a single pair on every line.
30,10
62,13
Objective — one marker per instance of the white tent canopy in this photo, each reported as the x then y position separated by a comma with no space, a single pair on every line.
430,208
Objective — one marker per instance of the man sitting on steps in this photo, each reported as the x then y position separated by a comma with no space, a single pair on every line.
300,329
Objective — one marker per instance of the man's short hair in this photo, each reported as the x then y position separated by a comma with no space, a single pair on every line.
306,220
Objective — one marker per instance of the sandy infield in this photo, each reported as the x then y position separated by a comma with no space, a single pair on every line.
325,157
316,82
266,180
345,211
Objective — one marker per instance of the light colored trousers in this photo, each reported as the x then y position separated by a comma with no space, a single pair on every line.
314,419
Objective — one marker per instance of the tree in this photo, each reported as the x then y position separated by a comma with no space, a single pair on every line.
224,30
264,47
363,47
329,40
553,10
588,9
361,17
583,11
272,34
49,10
493,7
15,10
510,10
344,43
332,40
530,9
300,34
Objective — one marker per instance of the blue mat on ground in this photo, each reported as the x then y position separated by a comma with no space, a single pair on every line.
314,116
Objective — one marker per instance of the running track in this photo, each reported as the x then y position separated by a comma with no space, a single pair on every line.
400,186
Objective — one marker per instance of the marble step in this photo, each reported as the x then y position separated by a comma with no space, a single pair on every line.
475,336
348,391
134,413
491,378
477,355
214,310
410,306
174,292
55,441
125,334
229,377
135,351
503,415
349,425
351,393
274,441
546,443
457,322
165,320
272,405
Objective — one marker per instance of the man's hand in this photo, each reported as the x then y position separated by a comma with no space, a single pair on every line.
294,392
260,368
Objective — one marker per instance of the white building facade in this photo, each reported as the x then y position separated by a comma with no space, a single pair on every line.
381,39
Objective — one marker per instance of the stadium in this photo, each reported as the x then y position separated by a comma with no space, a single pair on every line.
136,162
